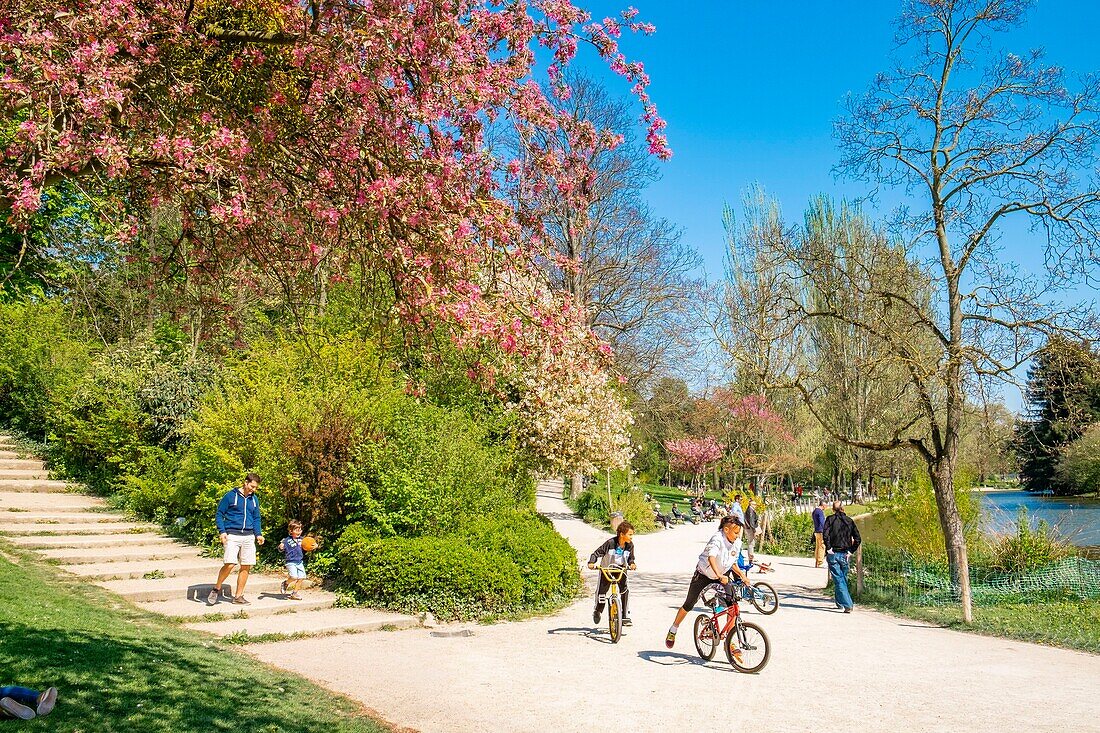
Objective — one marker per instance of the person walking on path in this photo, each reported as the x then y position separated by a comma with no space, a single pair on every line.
841,539
714,565
819,528
752,524
238,521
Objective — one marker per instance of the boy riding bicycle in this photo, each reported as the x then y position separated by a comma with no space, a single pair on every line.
716,563
619,552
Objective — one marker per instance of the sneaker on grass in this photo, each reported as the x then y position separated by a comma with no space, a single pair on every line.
46,701
16,709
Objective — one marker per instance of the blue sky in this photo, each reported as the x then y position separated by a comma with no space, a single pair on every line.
750,91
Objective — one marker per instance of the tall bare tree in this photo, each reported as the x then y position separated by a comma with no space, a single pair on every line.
627,268
976,137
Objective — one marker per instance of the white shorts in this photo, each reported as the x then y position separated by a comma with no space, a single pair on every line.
240,549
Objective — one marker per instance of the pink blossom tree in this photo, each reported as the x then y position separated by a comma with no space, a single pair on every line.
287,134
693,455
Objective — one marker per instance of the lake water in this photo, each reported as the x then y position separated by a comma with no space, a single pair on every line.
1074,518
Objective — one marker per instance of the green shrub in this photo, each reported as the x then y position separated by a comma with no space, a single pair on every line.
546,561
636,510
789,533
917,528
1027,548
128,404
496,566
42,357
429,470
442,575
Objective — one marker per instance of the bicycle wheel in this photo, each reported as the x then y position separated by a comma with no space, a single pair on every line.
706,636
614,617
764,598
747,648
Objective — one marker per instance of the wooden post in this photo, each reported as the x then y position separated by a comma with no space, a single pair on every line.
859,570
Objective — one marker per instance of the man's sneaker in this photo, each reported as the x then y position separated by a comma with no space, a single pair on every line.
627,621
213,596
16,709
241,601
295,597
848,609
670,639
283,586
596,613
46,701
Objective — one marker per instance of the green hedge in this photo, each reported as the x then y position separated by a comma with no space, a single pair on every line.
789,533
498,567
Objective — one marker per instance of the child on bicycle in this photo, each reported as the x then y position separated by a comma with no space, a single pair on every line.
618,552
716,562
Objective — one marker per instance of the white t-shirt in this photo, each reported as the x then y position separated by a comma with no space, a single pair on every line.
724,551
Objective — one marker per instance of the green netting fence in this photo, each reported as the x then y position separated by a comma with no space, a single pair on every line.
896,574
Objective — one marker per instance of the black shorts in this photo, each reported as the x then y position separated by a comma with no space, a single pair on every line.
698,583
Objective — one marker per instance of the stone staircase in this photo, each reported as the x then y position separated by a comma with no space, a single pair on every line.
160,574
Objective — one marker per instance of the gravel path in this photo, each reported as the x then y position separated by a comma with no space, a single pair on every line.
828,672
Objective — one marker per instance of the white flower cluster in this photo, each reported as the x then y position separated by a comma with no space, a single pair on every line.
571,415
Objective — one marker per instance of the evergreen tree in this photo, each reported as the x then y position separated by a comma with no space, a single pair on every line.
1063,395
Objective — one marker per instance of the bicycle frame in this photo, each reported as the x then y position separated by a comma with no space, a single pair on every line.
732,614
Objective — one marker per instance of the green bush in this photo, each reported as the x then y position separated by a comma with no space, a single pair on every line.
497,566
1027,548
789,533
442,575
42,357
127,405
592,507
546,562
429,470
917,528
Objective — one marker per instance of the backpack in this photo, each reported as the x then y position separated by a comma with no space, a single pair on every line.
752,519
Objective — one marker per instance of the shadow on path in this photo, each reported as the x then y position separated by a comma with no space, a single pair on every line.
671,659
594,634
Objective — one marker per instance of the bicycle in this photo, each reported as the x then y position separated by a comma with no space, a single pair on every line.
746,643
761,595
613,574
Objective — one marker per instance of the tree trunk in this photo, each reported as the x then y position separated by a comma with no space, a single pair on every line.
576,487
943,481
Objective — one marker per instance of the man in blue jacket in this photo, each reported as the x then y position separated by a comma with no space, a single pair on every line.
238,521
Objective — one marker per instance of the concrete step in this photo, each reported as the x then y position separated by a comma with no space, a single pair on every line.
37,485
191,587
41,528
49,502
23,474
328,620
96,555
72,517
140,568
92,540
263,604
11,451
21,464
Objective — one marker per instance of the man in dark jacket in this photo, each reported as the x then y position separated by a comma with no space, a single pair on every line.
238,521
841,539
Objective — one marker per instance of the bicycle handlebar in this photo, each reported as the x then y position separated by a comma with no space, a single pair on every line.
612,572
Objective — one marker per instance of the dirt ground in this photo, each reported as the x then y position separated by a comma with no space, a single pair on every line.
866,671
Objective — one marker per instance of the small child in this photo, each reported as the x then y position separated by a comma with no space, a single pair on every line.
295,559
617,551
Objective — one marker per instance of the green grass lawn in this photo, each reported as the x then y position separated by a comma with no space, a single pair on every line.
120,669
1067,623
